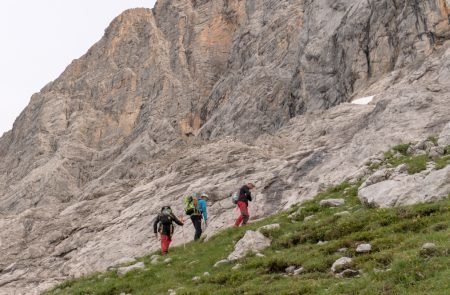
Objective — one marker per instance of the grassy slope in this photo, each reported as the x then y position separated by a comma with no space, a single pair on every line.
395,265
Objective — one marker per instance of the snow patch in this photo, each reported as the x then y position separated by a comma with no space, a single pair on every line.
363,100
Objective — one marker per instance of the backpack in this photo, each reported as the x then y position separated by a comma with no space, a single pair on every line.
166,216
235,197
191,205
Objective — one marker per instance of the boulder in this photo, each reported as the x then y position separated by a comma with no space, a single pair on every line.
221,262
290,269
407,189
364,248
123,270
378,176
436,152
332,202
253,241
299,271
341,264
196,278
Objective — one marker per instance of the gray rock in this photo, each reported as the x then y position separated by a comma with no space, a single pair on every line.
298,271
206,274
436,152
341,264
168,260
275,226
196,278
171,292
309,217
363,248
342,213
322,243
342,250
253,241
123,270
428,246
332,202
290,269
125,260
407,189
348,273
444,136
221,262
378,176
402,168
260,255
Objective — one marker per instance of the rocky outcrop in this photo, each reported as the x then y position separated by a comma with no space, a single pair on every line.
252,242
202,96
430,185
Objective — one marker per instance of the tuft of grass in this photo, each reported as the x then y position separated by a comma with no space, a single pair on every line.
433,139
402,148
416,164
442,162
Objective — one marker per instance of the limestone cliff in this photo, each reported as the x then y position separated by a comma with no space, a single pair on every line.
202,95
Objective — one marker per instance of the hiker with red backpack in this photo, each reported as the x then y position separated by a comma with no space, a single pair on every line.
165,220
243,198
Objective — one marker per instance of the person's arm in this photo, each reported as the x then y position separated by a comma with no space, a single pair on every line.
155,225
204,210
249,196
177,221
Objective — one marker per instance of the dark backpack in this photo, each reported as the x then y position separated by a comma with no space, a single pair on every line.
166,216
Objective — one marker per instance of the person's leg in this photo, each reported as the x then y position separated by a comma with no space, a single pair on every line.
165,243
243,217
197,221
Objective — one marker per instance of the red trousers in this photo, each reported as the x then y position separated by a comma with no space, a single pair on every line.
165,243
243,207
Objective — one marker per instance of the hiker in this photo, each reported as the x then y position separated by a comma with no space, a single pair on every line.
244,197
165,228
196,208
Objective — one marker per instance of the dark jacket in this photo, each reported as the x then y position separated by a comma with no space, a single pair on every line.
167,228
245,195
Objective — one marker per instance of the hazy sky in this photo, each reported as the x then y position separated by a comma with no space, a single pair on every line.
39,38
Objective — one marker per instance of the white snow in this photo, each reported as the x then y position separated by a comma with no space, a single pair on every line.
363,100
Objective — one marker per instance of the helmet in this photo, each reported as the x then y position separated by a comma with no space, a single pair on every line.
204,195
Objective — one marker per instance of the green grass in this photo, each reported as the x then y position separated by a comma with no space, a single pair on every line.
442,162
395,265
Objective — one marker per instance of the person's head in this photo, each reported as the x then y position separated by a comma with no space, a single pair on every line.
203,196
250,185
166,208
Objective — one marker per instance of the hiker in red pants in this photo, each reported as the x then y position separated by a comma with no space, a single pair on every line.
244,197
165,228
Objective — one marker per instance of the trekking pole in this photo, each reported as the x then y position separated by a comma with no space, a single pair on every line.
184,241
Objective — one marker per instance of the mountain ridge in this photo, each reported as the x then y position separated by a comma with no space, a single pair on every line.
201,96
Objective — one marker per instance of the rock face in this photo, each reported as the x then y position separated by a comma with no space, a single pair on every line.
202,96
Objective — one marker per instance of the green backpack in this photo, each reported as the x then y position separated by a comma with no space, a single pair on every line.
191,204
